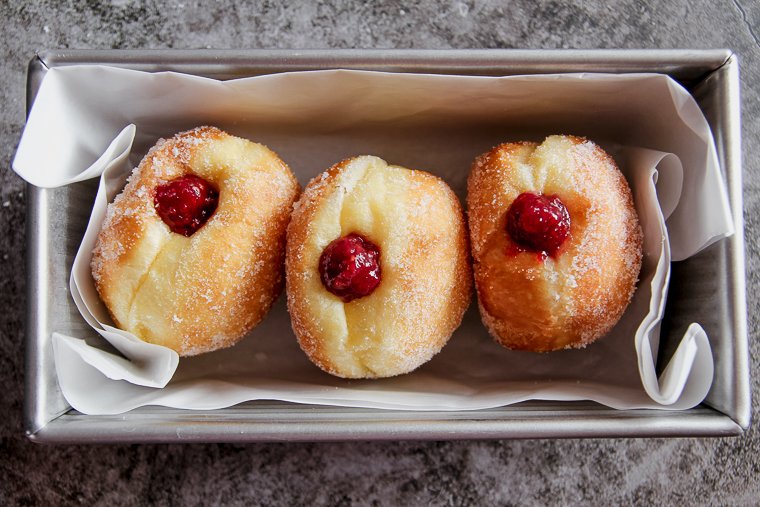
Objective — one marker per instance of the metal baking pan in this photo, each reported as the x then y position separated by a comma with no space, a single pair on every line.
709,287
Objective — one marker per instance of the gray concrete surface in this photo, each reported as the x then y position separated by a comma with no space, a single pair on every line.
720,471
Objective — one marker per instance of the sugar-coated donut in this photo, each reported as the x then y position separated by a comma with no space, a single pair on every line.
556,242
190,255
377,266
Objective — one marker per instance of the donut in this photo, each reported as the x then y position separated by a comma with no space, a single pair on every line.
191,253
377,268
556,242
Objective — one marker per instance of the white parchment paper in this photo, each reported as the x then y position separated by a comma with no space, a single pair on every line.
93,120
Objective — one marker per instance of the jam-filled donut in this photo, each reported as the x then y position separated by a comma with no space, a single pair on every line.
191,253
556,242
377,265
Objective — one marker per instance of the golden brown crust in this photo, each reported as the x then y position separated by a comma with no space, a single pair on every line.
580,294
204,292
418,223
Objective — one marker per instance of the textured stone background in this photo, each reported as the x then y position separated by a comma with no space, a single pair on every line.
659,471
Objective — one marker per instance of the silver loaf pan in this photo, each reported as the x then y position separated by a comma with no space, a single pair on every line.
709,288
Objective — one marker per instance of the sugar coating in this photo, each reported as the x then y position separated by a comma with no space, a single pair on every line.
418,224
204,292
577,296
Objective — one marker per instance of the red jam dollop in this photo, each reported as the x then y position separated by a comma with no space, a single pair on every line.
538,223
350,267
185,203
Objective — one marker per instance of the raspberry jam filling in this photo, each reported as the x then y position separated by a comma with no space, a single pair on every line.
350,267
185,203
538,223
